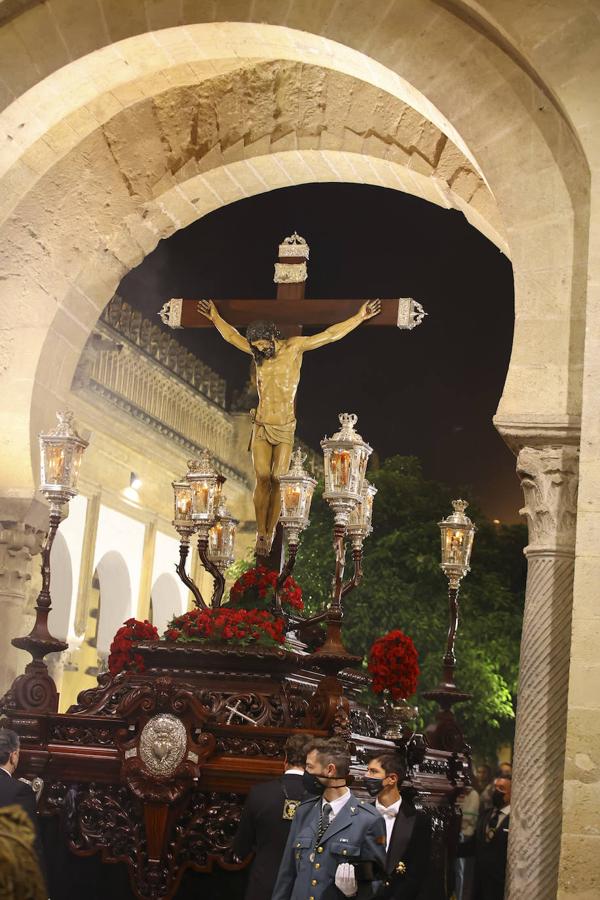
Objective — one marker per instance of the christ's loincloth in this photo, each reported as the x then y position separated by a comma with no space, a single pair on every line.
275,434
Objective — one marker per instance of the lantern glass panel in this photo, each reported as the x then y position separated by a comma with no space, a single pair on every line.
203,493
182,495
76,464
53,471
361,516
221,538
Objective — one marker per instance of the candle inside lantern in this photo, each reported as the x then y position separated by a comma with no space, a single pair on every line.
202,497
218,536
292,499
184,506
456,543
55,465
340,465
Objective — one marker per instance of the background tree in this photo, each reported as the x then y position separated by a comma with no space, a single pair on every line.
404,587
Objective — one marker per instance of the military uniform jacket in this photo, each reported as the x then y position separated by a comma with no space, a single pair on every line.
308,868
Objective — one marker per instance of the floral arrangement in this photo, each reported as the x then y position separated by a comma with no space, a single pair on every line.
224,624
393,664
255,589
121,651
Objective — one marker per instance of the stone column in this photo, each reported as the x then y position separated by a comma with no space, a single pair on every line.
549,478
19,543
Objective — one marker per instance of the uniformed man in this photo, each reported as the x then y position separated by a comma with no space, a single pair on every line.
329,830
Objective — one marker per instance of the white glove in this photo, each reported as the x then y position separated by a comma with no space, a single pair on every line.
345,880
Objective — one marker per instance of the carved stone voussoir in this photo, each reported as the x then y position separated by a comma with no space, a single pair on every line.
549,478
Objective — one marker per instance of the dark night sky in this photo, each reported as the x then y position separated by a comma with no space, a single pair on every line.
431,392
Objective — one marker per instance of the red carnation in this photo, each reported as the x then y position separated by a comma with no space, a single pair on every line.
393,663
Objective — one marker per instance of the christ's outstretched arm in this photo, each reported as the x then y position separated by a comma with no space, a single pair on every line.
336,332
227,331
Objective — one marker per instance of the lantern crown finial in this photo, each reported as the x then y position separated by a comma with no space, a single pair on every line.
459,506
65,426
297,463
347,432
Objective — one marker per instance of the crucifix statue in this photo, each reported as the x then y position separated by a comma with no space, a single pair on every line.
277,349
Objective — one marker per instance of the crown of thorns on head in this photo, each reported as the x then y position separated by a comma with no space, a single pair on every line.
262,331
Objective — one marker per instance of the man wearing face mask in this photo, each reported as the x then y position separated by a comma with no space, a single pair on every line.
267,817
330,829
408,835
491,843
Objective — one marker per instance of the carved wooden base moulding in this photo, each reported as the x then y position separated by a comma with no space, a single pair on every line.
151,769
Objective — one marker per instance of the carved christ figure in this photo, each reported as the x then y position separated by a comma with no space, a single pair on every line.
278,362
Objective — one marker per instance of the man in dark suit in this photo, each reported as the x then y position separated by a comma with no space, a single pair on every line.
16,792
331,829
491,843
266,819
408,832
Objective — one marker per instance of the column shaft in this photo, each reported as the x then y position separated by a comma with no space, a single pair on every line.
549,481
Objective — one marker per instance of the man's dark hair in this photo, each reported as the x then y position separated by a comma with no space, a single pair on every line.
392,764
9,742
503,775
332,750
262,330
295,749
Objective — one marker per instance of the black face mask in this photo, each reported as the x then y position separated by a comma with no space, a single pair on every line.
373,785
498,799
312,784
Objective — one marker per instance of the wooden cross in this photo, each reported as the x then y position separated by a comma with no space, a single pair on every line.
290,310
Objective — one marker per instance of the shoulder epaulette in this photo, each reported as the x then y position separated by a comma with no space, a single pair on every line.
367,807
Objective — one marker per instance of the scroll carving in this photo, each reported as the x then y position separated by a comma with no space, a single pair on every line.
549,478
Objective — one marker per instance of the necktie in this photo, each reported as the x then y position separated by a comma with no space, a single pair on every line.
323,821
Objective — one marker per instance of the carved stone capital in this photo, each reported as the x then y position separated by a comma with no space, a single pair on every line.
549,477
19,543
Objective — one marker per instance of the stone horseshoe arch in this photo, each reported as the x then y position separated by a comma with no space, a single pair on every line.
487,86
56,279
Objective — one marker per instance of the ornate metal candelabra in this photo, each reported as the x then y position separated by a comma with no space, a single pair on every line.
345,456
351,498
457,533
200,509
61,451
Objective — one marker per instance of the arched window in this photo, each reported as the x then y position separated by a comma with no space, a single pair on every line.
165,601
61,588
115,597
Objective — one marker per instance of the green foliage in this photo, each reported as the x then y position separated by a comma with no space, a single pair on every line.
403,587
